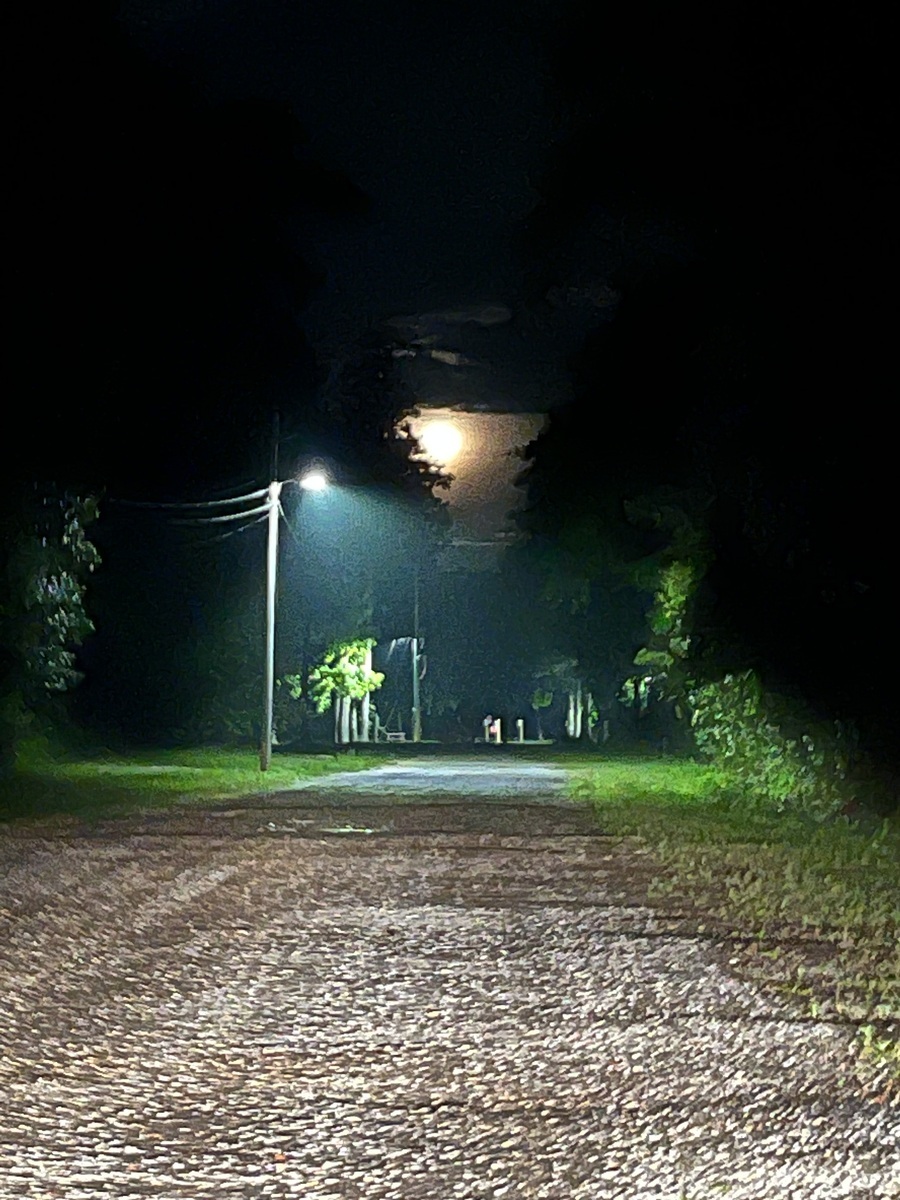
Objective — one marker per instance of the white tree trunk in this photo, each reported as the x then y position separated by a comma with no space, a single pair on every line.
344,710
579,711
364,706
570,716
540,731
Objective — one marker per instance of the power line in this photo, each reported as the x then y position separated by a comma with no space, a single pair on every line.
220,537
238,516
185,505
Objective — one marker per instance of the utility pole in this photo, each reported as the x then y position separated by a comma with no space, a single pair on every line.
274,504
416,709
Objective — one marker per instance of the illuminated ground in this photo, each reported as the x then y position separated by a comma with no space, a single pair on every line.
467,778
473,1000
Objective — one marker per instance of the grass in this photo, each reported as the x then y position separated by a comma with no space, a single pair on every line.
813,908
105,785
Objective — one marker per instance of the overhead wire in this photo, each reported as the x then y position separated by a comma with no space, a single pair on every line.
192,504
220,537
196,514
289,526
238,516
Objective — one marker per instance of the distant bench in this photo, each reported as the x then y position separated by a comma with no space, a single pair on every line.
395,737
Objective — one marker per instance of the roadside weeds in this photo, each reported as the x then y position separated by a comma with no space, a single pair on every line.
812,911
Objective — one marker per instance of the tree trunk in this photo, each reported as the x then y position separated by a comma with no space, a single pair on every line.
364,705
343,729
579,711
590,730
570,716
354,720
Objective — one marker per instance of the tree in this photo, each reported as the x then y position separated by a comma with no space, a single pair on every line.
363,408
345,679
731,277
42,613
540,698
577,561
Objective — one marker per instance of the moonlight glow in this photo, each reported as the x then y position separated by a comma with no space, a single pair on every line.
441,441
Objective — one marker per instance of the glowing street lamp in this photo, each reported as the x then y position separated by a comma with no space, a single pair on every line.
312,481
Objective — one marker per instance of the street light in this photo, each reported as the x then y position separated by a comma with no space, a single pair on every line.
311,481
314,481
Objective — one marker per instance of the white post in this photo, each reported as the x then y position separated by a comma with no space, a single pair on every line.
265,749
416,702
497,737
520,725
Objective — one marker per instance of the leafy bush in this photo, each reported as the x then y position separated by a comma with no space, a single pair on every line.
769,753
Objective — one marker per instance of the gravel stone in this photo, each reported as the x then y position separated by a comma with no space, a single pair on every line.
474,1000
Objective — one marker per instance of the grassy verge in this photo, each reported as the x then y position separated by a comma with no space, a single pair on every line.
109,785
813,909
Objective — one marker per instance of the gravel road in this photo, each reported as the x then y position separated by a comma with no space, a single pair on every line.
481,778
472,1000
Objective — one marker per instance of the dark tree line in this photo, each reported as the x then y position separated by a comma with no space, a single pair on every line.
722,192
165,250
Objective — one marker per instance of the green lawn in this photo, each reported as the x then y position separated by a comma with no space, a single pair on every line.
813,908
105,784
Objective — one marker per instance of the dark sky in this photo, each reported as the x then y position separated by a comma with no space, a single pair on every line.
437,112
680,222
532,156
660,131
439,115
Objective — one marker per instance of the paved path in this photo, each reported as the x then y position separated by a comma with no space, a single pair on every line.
472,778
245,1004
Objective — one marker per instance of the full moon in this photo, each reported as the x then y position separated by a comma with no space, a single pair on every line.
441,441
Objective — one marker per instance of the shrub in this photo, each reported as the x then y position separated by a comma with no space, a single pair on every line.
770,753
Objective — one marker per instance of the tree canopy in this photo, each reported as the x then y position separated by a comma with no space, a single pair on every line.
43,616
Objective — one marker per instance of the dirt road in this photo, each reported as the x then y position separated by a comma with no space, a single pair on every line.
472,999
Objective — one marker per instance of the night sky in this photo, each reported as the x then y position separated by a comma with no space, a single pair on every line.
672,228
437,114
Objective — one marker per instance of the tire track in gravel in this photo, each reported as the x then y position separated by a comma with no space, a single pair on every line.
212,1007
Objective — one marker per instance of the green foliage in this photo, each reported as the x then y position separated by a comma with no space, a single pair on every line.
44,615
108,785
636,692
770,753
48,558
292,711
664,661
677,581
765,753
344,672
589,614
541,698
672,573
219,668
